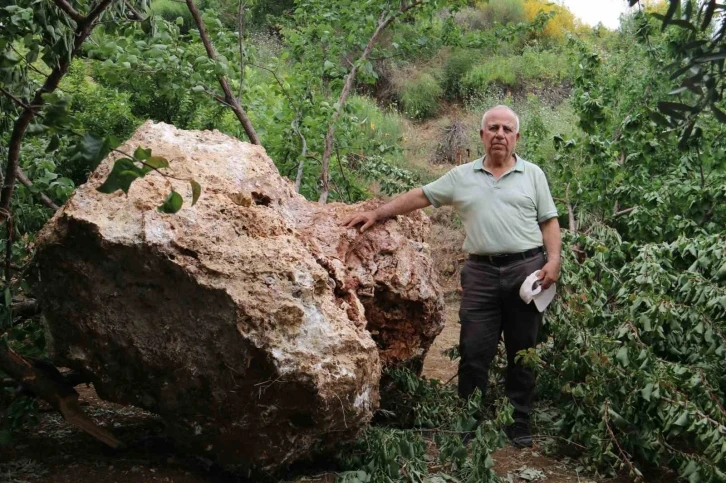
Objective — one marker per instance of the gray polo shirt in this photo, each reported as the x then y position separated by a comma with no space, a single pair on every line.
499,216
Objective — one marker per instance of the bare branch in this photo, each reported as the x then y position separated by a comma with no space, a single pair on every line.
240,32
228,96
14,99
9,250
135,13
570,211
29,184
70,11
624,212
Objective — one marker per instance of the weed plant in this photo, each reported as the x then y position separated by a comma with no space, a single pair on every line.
420,97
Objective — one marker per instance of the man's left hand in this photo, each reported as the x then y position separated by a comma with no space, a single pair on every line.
549,273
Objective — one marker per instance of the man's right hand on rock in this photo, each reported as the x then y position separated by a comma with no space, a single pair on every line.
368,218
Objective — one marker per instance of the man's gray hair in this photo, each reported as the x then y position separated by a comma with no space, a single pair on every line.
501,106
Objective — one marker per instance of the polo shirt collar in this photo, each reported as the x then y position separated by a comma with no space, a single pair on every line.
518,166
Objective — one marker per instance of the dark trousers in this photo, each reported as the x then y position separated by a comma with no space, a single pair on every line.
491,306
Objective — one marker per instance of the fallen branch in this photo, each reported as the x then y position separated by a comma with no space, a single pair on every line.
229,98
623,456
59,395
25,308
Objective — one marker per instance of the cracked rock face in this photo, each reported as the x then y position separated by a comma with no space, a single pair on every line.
252,322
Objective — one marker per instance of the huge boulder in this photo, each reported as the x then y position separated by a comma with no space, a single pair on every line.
252,322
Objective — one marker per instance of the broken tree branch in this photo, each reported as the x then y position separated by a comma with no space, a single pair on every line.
62,397
229,98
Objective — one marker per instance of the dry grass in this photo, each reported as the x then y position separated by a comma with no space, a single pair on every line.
455,147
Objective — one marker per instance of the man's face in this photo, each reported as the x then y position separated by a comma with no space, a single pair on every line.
499,134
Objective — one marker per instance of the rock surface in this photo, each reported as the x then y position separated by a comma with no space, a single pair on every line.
248,321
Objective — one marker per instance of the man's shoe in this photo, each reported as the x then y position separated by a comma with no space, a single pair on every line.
519,434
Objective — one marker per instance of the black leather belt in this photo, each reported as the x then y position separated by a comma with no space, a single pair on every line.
506,258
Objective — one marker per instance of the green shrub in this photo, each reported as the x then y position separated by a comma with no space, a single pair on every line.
457,66
504,11
171,10
378,127
531,68
485,15
420,98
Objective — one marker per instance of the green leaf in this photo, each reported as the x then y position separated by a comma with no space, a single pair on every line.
647,391
5,437
672,7
53,144
124,172
658,118
196,191
198,89
719,114
142,154
93,149
682,419
684,24
157,162
674,106
622,356
708,14
172,203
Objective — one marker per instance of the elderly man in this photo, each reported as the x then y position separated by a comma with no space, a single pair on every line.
508,214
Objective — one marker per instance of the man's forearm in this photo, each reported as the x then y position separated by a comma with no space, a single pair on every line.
405,203
552,239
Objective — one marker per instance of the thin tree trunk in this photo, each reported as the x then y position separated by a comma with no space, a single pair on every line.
383,21
303,155
229,98
83,30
